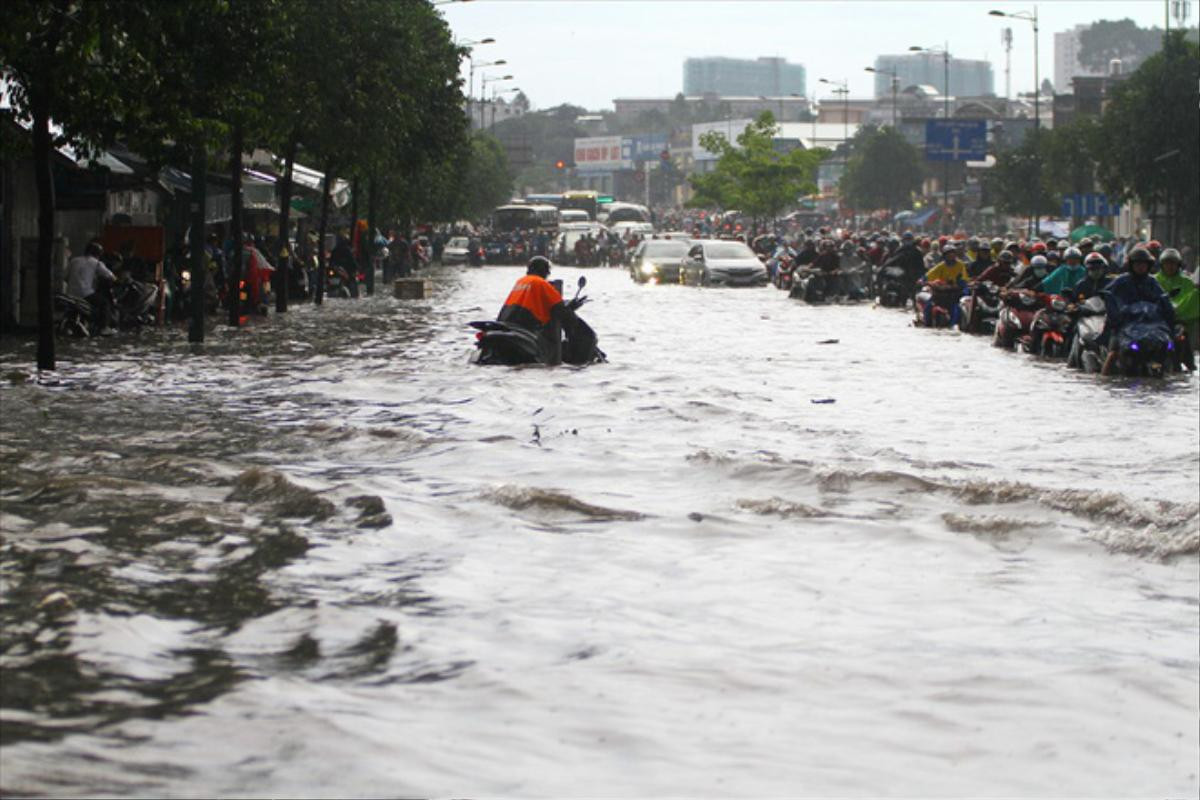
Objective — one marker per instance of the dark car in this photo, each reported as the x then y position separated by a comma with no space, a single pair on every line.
497,251
657,260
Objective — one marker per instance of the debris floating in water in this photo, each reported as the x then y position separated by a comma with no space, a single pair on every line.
828,341
823,401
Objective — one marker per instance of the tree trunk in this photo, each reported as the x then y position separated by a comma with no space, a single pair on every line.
199,269
355,251
319,297
42,152
372,210
235,227
284,266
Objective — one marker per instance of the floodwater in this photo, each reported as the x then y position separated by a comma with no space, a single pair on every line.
326,557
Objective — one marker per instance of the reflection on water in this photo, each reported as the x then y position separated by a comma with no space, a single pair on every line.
322,555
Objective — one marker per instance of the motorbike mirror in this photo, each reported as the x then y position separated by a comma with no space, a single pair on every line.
582,281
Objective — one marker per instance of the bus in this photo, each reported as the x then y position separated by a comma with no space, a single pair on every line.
519,216
544,200
584,199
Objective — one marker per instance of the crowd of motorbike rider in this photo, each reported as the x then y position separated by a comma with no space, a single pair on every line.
1124,274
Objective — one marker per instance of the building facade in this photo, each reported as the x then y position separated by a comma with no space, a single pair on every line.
773,77
968,77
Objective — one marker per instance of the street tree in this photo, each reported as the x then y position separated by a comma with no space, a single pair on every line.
68,66
754,176
1146,146
883,171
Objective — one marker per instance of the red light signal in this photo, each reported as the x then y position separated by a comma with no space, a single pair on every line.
560,164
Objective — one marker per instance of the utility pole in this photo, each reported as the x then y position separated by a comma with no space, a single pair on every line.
1006,40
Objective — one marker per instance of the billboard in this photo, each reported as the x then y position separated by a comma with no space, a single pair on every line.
600,153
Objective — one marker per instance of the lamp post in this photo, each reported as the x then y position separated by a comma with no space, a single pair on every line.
483,89
895,86
1032,17
840,87
470,43
495,94
497,63
945,54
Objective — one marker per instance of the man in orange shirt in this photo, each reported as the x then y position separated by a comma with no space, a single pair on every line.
533,301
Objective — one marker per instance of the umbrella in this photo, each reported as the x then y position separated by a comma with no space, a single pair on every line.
1094,231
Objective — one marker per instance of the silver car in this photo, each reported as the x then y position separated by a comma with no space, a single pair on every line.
716,262
456,250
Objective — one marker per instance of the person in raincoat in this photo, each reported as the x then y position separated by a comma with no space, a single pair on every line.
1067,274
1182,290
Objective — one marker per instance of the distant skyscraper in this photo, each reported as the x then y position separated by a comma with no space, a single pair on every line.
737,77
1066,60
968,77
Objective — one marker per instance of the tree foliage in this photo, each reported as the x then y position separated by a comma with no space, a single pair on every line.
1146,145
1108,39
754,176
884,170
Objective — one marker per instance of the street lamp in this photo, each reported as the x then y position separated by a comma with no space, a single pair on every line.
483,89
945,54
840,87
469,43
497,63
1032,17
496,94
895,86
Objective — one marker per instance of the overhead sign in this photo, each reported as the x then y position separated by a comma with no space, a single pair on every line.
956,139
1089,205
599,153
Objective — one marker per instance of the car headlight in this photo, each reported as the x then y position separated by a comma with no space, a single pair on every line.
649,268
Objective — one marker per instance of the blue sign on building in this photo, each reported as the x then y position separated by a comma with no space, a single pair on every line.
647,148
956,139
1089,205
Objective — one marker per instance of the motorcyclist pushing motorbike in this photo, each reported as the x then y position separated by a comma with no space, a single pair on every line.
534,304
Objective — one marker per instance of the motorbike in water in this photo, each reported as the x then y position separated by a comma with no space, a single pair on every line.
1088,350
1015,323
1051,329
892,287
979,309
816,287
941,299
73,316
337,283
1144,343
499,342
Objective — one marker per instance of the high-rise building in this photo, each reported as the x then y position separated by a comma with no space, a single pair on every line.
738,77
1066,60
968,77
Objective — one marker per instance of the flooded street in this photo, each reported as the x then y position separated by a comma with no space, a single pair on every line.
326,557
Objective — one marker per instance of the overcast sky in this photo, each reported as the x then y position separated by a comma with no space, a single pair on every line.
587,52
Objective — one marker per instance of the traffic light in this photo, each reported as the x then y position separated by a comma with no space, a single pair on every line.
560,164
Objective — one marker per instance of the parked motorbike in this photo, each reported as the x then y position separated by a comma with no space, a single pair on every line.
1015,323
979,309
136,304
72,316
499,342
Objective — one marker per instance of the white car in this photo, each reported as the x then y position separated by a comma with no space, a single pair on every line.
623,229
456,250
720,262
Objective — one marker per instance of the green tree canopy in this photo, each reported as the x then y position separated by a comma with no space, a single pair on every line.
883,171
1108,39
754,176
1146,146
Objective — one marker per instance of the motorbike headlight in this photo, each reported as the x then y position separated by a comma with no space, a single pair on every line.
185,275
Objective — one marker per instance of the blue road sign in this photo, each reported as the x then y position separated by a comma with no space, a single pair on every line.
1089,205
956,139
647,148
